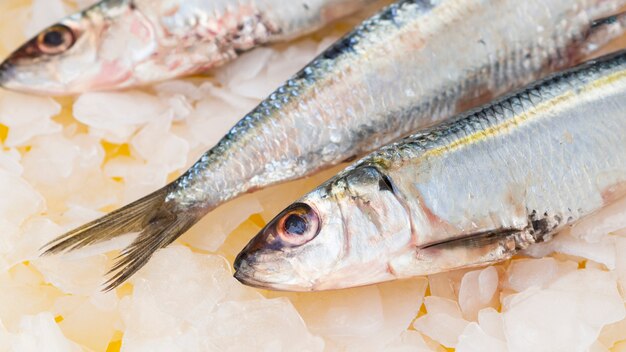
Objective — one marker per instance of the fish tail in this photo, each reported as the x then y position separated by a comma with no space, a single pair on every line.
152,216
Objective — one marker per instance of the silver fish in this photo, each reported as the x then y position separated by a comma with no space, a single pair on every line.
466,193
413,64
123,43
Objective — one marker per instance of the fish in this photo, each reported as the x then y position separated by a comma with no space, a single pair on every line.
117,44
469,192
414,64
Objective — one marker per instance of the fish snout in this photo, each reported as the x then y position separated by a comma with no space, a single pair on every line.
6,73
241,263
245,272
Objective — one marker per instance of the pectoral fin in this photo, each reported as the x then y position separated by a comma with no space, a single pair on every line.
601,32
461,252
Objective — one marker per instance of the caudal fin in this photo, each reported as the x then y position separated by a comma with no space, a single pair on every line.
151,216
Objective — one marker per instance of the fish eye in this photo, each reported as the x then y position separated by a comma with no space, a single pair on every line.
295,224
298,225
55,40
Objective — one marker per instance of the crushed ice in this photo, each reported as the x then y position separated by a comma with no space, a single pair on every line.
60,166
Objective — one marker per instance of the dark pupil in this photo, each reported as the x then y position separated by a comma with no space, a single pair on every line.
53,38
295,225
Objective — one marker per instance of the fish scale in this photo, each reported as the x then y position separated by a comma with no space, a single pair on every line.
414,64
472,191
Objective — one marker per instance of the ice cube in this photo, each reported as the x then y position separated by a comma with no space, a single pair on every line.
87,323
215,115
178,87
446,284
210,232
580,304
158,146
72,171
443,322
439,305
27,246
10,161
243,326
242,75
248,66
22,294
55,154
191,302
526,273
613,333
180,105
474,339
402,301
79,276
364,318
41,333
139,178
44,14
491,323
344,316
19,199
408,341
602,252
27,116
477,291
178,290
442,328
595,227
115,116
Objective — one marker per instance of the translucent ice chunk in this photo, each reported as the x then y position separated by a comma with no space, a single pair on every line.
474,339
115,116
579,304
443,323
525,273
477,291
27,116
41,333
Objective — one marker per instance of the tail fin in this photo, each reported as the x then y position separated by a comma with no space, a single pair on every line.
157,224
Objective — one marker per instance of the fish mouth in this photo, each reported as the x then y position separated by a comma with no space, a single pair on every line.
249,275
6,73
244,273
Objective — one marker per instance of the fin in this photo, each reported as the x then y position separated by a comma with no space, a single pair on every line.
471,250
475,240
601,32
151,216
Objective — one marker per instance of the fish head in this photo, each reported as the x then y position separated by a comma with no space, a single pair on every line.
95,49
342,234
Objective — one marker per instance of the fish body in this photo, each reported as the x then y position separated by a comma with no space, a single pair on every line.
410,66
122,43
470,192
